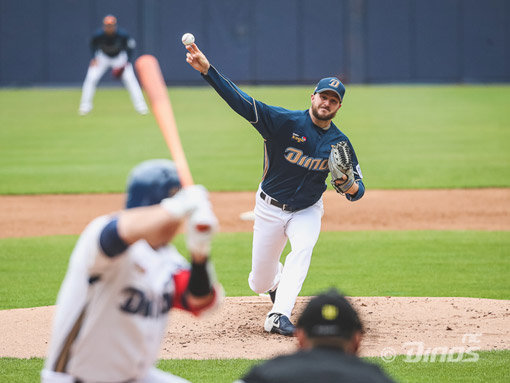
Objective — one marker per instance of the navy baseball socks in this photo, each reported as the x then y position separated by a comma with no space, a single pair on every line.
279,324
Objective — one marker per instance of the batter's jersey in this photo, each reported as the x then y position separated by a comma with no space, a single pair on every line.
112,45
325,365
112,313
296,151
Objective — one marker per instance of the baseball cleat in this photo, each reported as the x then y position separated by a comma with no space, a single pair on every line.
279,324
84,111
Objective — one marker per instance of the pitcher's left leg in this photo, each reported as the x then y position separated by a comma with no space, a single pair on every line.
303,232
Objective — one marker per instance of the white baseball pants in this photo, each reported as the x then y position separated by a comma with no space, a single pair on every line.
271,229
153,376
95,72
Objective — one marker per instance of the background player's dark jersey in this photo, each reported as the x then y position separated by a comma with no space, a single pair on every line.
296,150
112,45
317,365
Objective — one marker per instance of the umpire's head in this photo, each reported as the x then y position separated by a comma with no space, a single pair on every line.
329,320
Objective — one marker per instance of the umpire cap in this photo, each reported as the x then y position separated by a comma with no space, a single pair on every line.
330,315
152,181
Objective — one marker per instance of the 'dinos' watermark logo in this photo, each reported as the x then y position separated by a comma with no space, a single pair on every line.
416,352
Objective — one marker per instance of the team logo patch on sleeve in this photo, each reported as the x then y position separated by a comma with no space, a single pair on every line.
296,137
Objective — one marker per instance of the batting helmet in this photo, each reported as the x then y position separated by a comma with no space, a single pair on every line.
152,181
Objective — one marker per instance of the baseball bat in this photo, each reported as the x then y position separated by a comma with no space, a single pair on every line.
152,81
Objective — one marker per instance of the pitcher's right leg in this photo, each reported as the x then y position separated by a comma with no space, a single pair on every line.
269,240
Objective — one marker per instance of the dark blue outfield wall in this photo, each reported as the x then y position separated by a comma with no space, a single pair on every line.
267,41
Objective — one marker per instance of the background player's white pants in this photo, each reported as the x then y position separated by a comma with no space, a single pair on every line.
272,228
94,74
153,376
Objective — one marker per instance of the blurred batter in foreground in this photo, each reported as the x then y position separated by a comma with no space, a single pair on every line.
124,277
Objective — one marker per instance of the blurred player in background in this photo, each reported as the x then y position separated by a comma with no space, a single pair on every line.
329,333
111,47
288,206
124,277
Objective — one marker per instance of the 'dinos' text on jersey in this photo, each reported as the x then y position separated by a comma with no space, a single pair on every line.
295,156
137,302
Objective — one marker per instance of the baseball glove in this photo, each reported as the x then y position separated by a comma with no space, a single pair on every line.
340,166
117,72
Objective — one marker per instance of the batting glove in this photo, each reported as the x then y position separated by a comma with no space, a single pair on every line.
187,200
202,225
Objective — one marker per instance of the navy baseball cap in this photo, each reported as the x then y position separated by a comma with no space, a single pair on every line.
152,181
330,315
333,84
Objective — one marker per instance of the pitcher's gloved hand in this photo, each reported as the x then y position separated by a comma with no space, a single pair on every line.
340,166
117,72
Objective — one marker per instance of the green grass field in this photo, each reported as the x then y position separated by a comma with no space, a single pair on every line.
491,367
405,137
431,263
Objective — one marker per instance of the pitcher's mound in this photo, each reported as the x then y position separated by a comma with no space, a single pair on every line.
394,325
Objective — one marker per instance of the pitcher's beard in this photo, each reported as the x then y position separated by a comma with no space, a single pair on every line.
326,117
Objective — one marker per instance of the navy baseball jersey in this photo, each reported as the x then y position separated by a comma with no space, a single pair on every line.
112,45
296,151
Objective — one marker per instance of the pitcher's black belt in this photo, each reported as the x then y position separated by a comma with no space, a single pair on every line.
274,202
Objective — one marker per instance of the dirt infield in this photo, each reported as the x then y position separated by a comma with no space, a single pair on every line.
391,322
457,209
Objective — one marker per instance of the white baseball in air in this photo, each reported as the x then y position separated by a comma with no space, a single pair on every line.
188,39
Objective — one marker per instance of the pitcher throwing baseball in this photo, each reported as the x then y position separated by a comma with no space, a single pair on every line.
298,156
